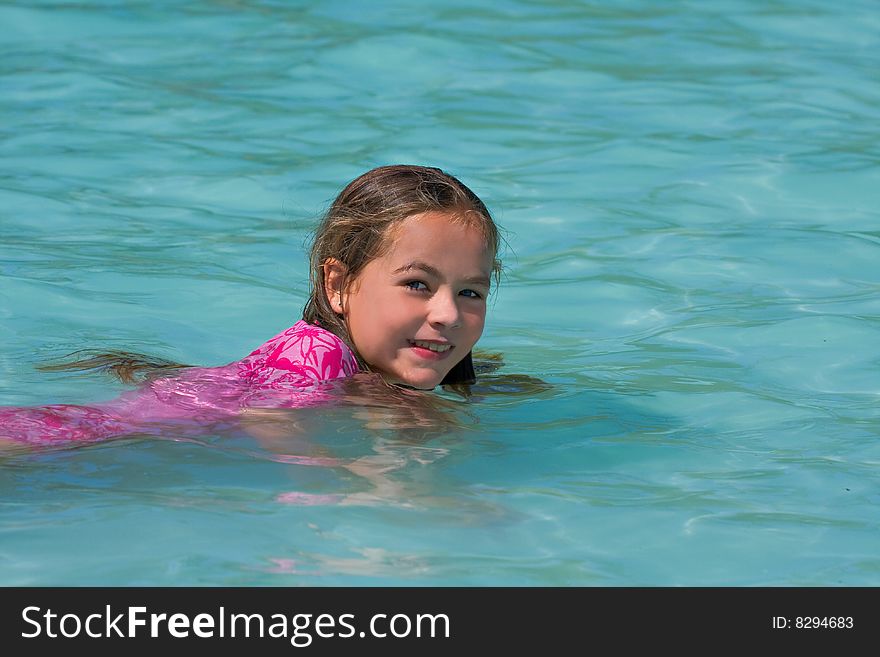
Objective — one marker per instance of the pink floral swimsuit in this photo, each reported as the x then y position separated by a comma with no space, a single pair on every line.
287,371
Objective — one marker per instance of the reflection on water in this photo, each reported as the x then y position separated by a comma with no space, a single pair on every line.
396,426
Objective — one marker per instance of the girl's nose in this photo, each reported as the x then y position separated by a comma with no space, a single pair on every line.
444,310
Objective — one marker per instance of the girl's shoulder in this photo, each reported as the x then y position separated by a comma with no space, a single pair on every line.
305,351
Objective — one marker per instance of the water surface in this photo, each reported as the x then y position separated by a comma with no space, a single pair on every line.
690,198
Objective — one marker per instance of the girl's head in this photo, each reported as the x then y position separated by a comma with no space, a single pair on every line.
401,266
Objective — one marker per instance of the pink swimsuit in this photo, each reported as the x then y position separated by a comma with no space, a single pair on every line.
287,371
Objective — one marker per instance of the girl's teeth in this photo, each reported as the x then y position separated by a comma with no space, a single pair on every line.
433,346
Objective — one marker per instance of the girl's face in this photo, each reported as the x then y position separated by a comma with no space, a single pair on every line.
419,309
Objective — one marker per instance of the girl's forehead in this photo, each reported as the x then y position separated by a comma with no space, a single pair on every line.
441,248
435,226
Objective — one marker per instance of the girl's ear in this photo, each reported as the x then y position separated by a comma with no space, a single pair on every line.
334,281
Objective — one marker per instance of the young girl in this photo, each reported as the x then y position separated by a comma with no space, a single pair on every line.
401,267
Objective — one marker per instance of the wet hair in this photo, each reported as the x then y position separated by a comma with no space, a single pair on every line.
359,225
356,229
127,366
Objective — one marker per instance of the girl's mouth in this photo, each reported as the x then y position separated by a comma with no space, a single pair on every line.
430,349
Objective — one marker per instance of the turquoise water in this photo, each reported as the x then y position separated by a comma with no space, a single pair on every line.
690,194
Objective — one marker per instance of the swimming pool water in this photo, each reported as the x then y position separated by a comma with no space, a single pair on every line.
690,194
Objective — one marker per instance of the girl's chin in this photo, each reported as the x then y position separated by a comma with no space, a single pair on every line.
422,381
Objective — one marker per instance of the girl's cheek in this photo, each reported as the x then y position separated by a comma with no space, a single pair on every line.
477,316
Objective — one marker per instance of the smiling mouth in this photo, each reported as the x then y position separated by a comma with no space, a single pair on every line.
437,347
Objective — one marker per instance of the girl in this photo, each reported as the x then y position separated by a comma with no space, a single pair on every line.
401,266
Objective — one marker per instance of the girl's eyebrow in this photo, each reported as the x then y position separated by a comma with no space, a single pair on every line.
433,271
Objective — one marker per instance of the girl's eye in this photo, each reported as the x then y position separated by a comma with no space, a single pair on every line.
416,285
473,294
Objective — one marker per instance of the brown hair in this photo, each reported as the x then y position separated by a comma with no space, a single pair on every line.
356,230
127,366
